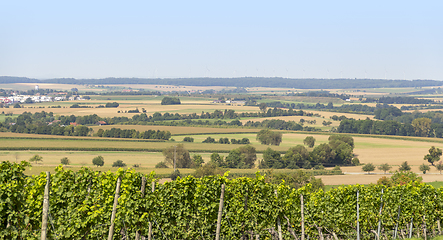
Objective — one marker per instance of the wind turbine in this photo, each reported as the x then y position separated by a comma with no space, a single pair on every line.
328,73
208,71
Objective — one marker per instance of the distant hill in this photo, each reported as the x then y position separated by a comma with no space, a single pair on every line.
6,79
242,82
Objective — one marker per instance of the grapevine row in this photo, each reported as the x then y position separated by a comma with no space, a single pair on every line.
80,206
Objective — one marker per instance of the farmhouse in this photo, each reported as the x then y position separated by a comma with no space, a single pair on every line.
101,123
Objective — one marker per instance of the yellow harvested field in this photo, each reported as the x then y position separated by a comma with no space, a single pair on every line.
327,115
369,178
296,119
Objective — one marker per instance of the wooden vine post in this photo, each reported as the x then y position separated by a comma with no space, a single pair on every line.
150,223
379,215
302,218
358,221
220,212
280,237
114,208
45,207
137,234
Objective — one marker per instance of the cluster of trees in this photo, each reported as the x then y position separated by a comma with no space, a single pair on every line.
421,127
112,105
226,141
43,123
345,108
69,130
339,151
132,133
76,105
320,94
275,124
399,100
268,137
387,113
131,93
217,114
242,157
170,101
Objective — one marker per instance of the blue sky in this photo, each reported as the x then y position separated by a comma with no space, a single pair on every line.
295,39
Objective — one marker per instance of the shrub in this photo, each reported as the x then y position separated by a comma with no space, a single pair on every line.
36,158
404,167
209,140
65,161
98,161
119,163
319,166
400,178
188,139
174,175
161,165
208,170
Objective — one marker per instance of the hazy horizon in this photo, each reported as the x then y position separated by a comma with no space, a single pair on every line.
393,40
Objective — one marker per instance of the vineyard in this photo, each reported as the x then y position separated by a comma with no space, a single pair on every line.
81,206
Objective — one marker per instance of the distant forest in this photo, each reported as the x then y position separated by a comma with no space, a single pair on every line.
240,82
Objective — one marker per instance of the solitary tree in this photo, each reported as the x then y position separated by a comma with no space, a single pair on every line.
36,158
263,107
404,167
424,168
384,167
434,155
369,167
65,161
439,166
310,141
98,161
180,154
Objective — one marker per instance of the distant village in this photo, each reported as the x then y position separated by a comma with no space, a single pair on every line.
37,98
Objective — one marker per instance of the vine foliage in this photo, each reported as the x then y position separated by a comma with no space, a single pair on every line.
81,205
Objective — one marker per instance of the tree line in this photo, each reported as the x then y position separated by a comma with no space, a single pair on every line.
305,83
132,133
420,127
